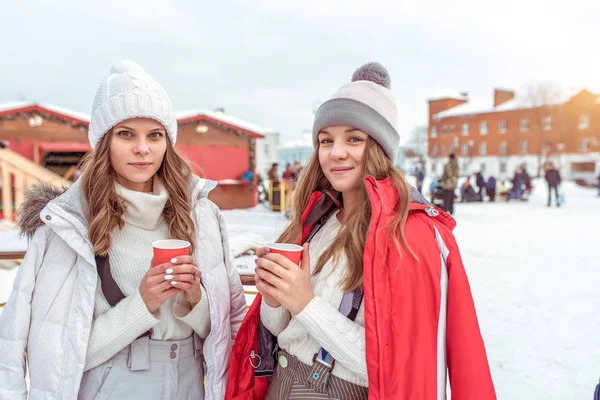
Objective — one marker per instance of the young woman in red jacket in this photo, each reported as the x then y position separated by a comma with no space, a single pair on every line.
380,305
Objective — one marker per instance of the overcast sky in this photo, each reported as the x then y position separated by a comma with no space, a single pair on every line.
270,62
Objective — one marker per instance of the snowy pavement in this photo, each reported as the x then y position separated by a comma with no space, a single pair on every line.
535,277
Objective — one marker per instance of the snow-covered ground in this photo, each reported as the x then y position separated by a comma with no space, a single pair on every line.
535,277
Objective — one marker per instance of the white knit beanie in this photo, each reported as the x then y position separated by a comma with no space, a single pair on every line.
129,92
367,104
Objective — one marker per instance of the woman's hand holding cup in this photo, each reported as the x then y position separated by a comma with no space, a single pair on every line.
283,279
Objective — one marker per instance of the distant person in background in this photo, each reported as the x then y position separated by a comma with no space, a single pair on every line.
490,188
433,186
467,193
297,168
274,174
4,144
449,183
288,174
598,184
503,190
526,179
553,180
480,183
518,182
420,179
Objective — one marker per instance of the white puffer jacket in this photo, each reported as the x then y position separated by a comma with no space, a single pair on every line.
46,322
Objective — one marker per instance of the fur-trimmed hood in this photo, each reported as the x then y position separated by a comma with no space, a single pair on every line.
72,201
36,199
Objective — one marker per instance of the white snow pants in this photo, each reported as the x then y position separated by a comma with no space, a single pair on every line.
149,370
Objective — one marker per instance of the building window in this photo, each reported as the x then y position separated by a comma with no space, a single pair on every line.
465,129
443,150
267,150
483,167
434,132
547,123
503,147
465,149
444,129
585,144
524,146
483,128
433,168
483,148
584,122
503,126
452,129
503,167
524,125
434,150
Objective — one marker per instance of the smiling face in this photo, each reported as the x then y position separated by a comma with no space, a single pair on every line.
341,156
137,150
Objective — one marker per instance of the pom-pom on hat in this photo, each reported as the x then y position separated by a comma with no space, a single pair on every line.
367,104
129,92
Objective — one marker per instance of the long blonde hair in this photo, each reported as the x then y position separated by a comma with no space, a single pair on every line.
106,209
352,236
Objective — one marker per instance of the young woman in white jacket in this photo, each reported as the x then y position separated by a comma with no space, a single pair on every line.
91,316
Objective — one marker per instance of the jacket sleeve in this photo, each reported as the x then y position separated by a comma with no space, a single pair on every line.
238,299
15,320
468,368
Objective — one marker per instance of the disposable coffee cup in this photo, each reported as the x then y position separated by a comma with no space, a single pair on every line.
292,252
166,250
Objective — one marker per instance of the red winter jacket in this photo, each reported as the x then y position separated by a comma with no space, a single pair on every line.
420,321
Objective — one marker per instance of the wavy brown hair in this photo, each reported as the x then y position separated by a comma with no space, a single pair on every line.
352,236
106,208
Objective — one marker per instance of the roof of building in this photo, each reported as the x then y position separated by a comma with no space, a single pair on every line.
474,107
15,107
518,103
222,118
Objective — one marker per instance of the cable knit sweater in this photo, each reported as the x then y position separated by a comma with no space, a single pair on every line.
320,324
130,256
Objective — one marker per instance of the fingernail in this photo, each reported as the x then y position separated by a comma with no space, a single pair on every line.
169,271
174,283
167,277
173,260
267,250
256,260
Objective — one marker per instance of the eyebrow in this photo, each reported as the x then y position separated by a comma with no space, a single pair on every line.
131,129
346,131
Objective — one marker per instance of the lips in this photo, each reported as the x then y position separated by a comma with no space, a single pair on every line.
341,170
140,165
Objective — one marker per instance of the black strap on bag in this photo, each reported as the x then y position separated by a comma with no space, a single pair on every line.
111,290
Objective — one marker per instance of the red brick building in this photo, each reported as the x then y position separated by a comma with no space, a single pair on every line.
498,137
218,146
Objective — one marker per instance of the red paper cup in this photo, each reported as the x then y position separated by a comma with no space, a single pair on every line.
166,250
292,252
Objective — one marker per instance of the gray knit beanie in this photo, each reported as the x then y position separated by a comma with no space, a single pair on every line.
367,104
129,92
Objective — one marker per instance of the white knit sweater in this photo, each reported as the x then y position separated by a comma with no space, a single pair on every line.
130,256
320,324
